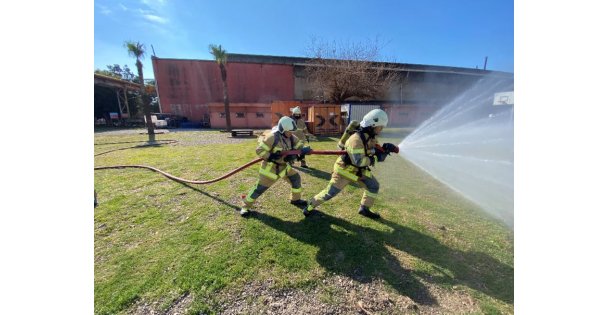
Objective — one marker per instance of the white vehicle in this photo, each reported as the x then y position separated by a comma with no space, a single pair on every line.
158,123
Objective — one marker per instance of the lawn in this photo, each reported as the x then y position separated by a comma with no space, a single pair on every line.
165,246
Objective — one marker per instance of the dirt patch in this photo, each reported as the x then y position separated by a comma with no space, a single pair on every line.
335,295
340,295
178,307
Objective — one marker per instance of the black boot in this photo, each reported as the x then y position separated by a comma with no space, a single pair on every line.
245,212
309,209
303,164
364,211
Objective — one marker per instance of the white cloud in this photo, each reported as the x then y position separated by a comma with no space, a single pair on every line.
155,18
104,10
145,12
153,3
123,7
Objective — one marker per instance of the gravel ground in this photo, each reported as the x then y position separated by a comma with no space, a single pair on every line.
145,131
337,294
340,294
195,136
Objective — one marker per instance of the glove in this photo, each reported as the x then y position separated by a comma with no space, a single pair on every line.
381,156
274,156
379,152
389,147
290,158
305,150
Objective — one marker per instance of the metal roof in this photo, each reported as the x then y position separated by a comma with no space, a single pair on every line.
107,81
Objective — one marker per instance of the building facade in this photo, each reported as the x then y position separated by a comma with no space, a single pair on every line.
193,89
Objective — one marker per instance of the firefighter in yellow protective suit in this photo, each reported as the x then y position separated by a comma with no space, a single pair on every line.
276,166
353,167
302,131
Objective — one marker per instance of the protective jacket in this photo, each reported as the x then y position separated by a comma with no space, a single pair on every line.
302,130
274,166
360,154
274,142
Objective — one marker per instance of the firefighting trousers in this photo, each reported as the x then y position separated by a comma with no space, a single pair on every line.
270,175
338,182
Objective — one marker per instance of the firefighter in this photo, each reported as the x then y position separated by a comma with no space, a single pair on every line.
276,166
302,131
353,166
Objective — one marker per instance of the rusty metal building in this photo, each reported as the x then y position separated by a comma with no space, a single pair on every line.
193,88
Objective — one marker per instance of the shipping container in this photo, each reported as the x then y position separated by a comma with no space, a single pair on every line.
283,108
326,119
242,115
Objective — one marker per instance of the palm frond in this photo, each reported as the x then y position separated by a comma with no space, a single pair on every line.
218,53
135,49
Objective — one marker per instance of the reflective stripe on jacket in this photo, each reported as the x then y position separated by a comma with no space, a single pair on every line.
279,167
360,156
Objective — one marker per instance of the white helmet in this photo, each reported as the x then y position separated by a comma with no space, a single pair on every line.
286,124
375,118
296,110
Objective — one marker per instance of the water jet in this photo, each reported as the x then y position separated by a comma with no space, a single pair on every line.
468,145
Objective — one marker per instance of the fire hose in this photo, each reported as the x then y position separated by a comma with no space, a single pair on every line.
393,149
204,182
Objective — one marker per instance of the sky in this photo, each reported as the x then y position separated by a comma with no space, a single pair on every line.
432,32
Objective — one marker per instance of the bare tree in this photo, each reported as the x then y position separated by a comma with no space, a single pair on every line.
338,72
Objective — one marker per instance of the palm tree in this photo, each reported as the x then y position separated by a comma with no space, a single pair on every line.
137,50
221,57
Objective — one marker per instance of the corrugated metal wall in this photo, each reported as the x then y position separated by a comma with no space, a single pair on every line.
357,111
398,115
187,87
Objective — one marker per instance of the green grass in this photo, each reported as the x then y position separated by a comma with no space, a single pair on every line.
156,239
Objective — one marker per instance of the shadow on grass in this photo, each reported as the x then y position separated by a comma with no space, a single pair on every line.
235,207
242,137
362,254
319,174
104,129
145,145
313,172
133,147
167,141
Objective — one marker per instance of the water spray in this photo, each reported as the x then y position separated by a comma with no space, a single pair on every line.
468,145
